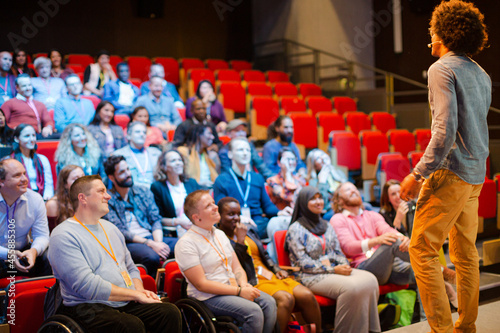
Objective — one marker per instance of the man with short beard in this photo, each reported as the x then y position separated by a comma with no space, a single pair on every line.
133,210
283,126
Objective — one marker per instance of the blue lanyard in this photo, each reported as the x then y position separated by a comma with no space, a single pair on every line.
247,192
13,213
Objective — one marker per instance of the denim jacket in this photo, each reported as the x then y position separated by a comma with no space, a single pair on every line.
460,97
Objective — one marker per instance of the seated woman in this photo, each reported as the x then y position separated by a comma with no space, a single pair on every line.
201,164
171,188
98,74
77,146
59,69
107,133
324,269
261,270
284,187
20,64
6,133
213,272
59,207
38,170
215,110
154,135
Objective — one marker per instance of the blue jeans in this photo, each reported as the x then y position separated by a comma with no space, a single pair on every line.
143,254
256,316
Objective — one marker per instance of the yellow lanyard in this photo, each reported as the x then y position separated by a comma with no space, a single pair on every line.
112,253
224,259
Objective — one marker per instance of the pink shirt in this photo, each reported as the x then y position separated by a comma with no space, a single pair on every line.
352,230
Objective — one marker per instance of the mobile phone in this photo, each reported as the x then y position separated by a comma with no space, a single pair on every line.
24,261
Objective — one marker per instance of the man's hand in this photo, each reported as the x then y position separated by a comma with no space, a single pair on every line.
162,249
19,267
287,211
343,269
405,244
410,188
46,131
183,222
31,255
282,274
146,297
388,238
249,293
241,232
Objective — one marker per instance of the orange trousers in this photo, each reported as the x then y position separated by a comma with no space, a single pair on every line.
447,206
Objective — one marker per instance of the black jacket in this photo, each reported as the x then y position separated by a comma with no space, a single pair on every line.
163,198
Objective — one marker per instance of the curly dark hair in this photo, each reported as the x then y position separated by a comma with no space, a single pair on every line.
460,26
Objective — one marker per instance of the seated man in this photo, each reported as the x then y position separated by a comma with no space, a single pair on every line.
121,92
199,117
283,127
162,111
169,89
98,74
141,160
101,287
24,109
247,187
133,210
7,80
237,128
72,108
22,212
47,89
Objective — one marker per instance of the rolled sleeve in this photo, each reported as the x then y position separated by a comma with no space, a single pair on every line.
40,228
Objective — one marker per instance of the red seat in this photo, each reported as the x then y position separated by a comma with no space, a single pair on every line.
392,166
309,89
414,157
170,135
401,141
94,99
423,136
277,76
285,89
171,67
346,150
40,54
185,64
232,97
48,149
227,75
77,68
224,139
81,59
173,276
305,131
264,112
292,104
488,200
139,67
253,76
318,104
328,121
122,120
195,76
215,64
344,104
357,121
259,89
115,60
240,65
383,121
372,144
136,82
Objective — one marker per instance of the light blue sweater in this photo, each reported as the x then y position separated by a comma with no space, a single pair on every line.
85,270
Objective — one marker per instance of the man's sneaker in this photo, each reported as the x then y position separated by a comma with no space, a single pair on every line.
449,275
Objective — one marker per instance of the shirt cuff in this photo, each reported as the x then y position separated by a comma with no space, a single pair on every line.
364,245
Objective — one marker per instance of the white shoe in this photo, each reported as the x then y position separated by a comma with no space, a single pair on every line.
452,294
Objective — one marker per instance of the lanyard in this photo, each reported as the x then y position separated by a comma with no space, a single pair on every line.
224,258
13,213
112,253
247,191
6,85
141,170
81,112
46,83
322,241
360,230
32,106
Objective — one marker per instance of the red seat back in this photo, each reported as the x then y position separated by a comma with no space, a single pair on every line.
200,74
348,150
171,67
309,89
414,157
318,104
259,89
344,104
267,110
122,120
227,75
375,143
330,121
240,65
234,96
383,121
172,285
253,76
215,64
277,76
48,149
357,121
402,141
81,59
395,167
285,89
292,104
191,63
115,60
305,129
423,136
139,67
488,200
279,244
77,68
94,99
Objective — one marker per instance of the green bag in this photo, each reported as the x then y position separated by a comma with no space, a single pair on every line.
406,300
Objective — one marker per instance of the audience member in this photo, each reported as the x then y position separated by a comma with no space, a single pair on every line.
106,132
201,164
213,272
280,135
47,89
237,128
59,69
261,270
199,117
140,159
98,74
77,146
20,64
171,188
24,109
154,136
247,186
169,89
37,166
23,211
7,80
73,108
133,210
314,247
284,187
121,92
162,111
215,110
6,133
59,207
103,282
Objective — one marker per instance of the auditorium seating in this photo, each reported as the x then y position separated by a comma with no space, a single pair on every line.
171,67
122,120
277,76
139,67
284,89
222,75
317,104
240,65
264,112
215,64
232,96
327,122
357,121
82,59
252,76
382,121
344,104
196,75
309,89
115,60
422,136
292,104
185,64
305,131
254,89
77,68
345,150
487,202
94,99
372,144
401,141
48,149
414,157
391,166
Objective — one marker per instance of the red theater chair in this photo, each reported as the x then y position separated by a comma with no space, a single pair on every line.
305,131
215,64
82,59
317,104
254,89
284,89
345,150
139,67
277,76
357,121
383,121
487,203
232,96
264,112
248,76
48,149
171,67
196,75
240,65
223,75
372,144
414,157
423,136
401,141
328,121
392,166
309,89
292,104
344,104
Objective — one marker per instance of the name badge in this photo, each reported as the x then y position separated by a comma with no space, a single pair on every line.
265,273
6,98
325,261
126,278
245,211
